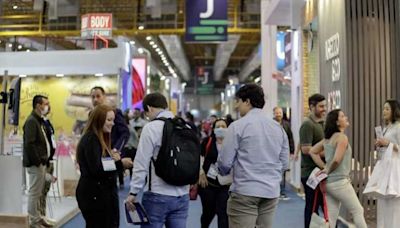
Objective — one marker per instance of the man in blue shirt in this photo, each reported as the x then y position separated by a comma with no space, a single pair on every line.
256,148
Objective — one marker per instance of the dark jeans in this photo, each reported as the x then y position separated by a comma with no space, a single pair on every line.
214,201
169,210
310,202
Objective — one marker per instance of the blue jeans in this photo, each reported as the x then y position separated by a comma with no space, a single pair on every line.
169,210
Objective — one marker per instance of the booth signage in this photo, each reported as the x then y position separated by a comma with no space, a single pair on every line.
332,46
96,24
206,20
205,81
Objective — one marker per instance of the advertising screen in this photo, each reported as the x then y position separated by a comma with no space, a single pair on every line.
134,84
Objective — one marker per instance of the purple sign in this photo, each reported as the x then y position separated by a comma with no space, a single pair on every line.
206,20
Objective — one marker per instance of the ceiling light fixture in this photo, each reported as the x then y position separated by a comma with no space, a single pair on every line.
158,49
20,46
141,27
162,78
155,46
15,7
151,43
132,42
10,45
148,38
140,50
28,50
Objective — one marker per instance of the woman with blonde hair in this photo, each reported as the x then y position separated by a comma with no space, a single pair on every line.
97,192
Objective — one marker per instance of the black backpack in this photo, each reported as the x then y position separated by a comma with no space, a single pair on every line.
178,161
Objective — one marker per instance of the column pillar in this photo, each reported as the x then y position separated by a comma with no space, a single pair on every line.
268,61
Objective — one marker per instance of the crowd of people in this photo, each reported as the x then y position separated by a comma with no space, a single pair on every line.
241,172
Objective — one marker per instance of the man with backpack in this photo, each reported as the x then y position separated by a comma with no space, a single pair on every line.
170,150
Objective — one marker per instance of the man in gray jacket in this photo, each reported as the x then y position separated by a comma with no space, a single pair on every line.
256,148
36,151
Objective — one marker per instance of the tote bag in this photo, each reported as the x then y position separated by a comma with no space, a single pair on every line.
382,182
316,220
393,189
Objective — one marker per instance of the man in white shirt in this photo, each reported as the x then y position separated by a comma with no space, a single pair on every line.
165,204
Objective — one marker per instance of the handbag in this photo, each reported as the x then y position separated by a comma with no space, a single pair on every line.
383,182
316,220
393,189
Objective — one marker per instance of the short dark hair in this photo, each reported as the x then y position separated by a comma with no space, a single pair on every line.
189,116
254,93
315,99
155,100
38,99
331,126
99,88
395,108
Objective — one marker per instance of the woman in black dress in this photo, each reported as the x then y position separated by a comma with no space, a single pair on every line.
213,190
97,192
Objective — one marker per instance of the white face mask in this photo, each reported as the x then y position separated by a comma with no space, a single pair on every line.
45,110
220,132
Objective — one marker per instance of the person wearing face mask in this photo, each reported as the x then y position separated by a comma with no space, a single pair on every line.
36,151
214,194
97,192
49,178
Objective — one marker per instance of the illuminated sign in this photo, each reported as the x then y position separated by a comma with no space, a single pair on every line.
206,20
96,24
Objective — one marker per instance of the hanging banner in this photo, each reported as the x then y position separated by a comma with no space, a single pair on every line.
96,24
206,20
205,80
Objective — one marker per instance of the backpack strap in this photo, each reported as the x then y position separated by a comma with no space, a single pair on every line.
208,146
163,141
150,176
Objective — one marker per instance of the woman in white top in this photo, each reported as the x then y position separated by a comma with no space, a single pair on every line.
389,209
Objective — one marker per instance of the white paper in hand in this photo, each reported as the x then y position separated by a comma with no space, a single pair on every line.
378,132
314,180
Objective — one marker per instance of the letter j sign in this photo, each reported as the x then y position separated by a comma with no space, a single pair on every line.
206,20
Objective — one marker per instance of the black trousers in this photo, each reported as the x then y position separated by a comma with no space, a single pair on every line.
309,192
214,201
105,216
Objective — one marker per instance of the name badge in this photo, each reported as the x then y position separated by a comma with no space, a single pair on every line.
53,141
108,164
212,172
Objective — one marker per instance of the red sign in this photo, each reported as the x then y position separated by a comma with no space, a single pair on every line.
96,24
